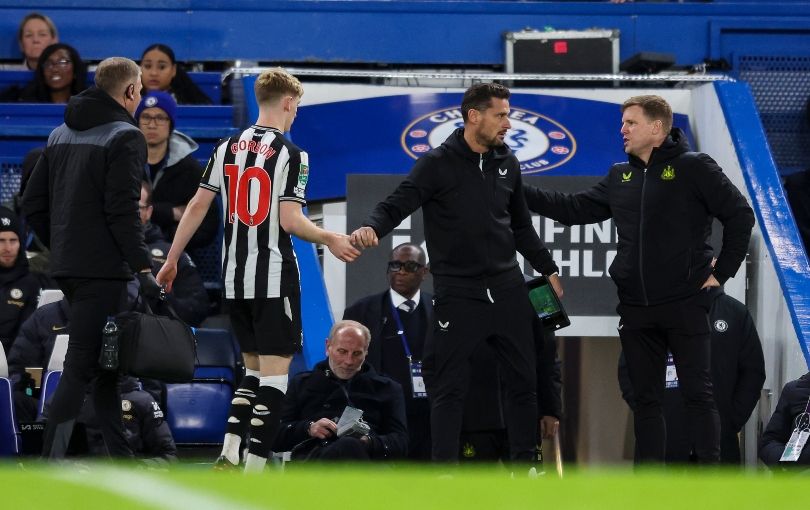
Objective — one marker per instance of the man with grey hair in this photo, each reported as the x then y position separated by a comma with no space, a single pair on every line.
82,201
317,399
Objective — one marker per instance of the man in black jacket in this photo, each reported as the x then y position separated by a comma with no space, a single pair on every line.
663,201
475,216
792,412
82,199
188,297
19,289
398,319
738,373
316,400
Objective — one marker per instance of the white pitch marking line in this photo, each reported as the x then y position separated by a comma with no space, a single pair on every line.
151,490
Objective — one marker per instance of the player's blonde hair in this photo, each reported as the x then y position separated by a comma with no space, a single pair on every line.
276,83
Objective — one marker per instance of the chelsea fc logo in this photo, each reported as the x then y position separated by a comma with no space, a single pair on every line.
539,143
720,325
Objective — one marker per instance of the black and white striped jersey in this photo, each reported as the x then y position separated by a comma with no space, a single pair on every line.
254,172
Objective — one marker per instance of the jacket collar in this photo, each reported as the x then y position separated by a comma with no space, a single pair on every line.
674,145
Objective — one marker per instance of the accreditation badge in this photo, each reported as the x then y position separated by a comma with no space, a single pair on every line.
793,448
417,381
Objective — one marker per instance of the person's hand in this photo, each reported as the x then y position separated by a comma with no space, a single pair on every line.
322,428
365,237
556,284
167,274
150,288
549,425
711,282
341,247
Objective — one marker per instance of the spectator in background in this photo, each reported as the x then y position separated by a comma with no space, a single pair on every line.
19,289
188,297
60,75
37,31
791,414
160,72
797,188
172,170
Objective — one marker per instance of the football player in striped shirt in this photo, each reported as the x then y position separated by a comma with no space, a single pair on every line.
262,178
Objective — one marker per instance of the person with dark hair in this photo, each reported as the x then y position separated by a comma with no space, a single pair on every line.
172,169
471,193
797,189
398,319
60,75
663,201
82,200
19,289
160,72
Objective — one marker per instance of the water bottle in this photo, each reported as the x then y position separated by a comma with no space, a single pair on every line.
109,348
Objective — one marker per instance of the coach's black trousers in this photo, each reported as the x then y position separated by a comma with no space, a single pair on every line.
503,318
91,302
646,334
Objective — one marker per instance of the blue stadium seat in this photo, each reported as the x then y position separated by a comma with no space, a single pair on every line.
216,360
49,383
197,411
9,435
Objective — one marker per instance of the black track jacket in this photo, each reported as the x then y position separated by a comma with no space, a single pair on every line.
663,215
82,198
474,212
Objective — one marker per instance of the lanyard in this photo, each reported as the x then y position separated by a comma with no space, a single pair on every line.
401,332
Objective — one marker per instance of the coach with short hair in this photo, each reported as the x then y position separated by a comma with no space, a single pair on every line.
82,200
471,192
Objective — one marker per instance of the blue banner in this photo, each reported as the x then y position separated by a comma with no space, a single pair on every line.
384,135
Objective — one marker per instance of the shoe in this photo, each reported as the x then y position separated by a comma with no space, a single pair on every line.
223,464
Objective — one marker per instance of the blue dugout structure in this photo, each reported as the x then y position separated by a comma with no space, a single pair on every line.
770,205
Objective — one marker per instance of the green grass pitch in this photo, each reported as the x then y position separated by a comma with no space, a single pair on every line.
190,487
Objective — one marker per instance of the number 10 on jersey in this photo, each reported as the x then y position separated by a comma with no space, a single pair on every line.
239,187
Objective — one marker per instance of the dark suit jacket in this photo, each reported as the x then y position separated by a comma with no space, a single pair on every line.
374,312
